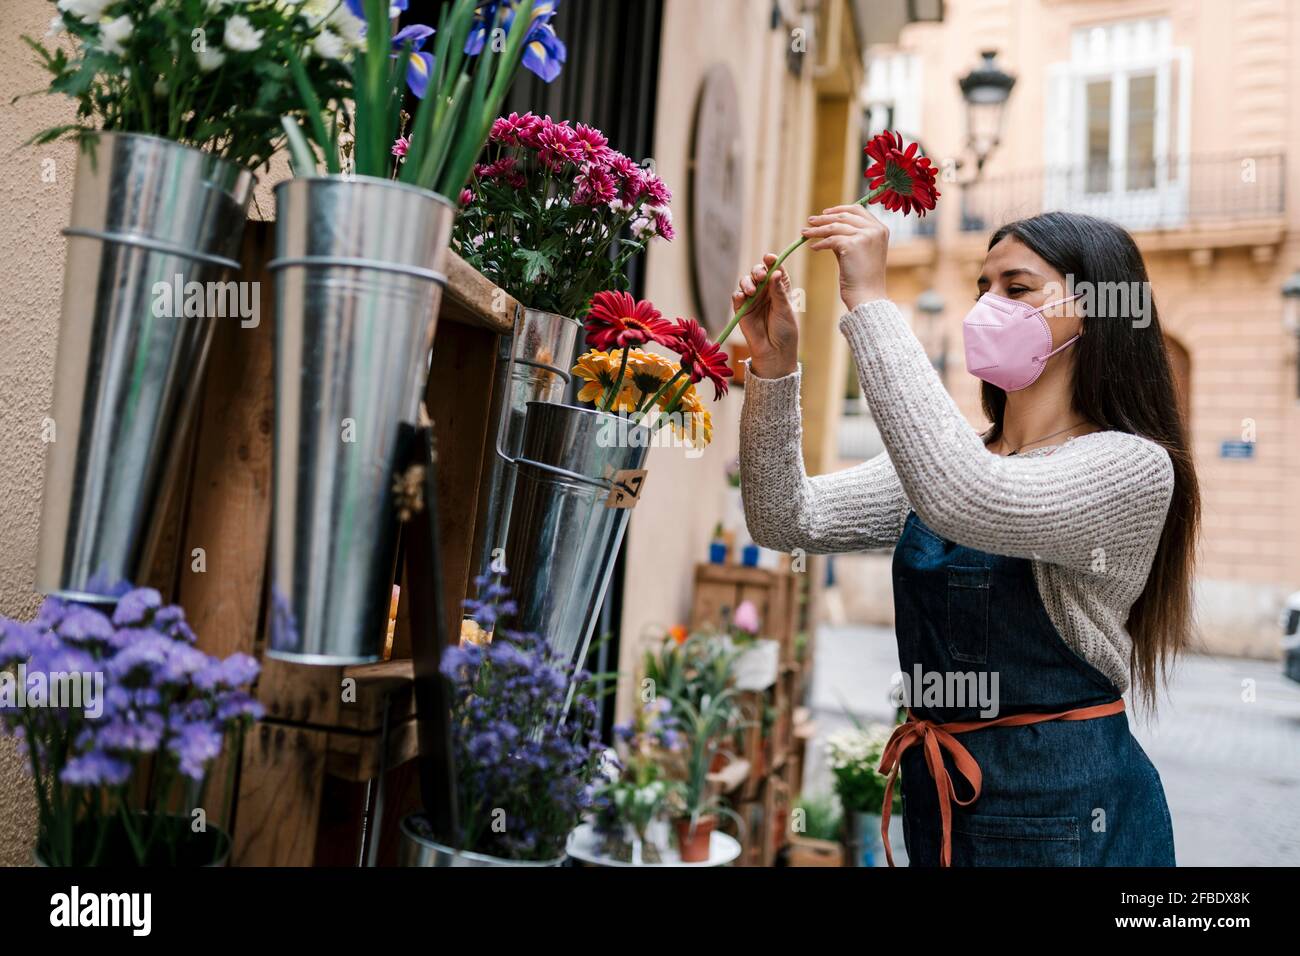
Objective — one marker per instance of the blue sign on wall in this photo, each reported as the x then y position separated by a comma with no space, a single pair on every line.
1237,449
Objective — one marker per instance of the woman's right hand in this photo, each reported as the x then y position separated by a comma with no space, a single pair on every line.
769,326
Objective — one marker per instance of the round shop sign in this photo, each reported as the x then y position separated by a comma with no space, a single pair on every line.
717,204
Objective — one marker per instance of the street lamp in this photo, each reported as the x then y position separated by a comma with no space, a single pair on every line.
930,304
1291,315
985,89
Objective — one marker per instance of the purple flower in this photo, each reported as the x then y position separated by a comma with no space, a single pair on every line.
409,41
237,705
84,624
195,745
136,606
95,769
140,733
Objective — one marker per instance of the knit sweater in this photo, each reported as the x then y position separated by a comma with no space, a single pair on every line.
1087,513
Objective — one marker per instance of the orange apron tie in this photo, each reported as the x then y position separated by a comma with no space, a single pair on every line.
935,738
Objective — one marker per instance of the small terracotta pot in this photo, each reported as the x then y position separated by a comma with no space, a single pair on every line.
694,845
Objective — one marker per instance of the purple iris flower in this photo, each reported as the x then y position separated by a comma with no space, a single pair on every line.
409,41
544,51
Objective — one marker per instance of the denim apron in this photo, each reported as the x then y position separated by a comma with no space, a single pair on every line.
1063,792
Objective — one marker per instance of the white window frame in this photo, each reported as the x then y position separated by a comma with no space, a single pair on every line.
1108,52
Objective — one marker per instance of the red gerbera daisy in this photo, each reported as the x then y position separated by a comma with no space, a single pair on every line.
701,358
617,321
908,178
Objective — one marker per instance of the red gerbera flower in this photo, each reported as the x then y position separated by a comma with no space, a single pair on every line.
617,320
701,358
908,178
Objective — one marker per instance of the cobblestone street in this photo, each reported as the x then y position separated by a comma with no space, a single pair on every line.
1230,764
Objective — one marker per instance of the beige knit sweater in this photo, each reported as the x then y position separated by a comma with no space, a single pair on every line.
1087,513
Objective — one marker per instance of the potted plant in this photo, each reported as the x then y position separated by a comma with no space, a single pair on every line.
633,802
815,830
854,755
177,102
359,269
698,805
552,215
120,718
757,658
526,769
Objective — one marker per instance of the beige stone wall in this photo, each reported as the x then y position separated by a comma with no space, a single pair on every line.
31,249
684,498
34,207
1217,289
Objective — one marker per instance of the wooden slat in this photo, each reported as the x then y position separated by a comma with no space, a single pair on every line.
459,402
471,299
279,808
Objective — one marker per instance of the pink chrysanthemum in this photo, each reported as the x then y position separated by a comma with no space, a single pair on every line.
401,147
594,145
595,187
558,146
657,191
514,130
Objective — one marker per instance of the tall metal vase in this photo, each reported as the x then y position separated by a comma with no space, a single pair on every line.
359,273
150,218
533,366
579,475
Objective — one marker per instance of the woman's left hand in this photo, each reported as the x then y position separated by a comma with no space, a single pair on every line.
860,242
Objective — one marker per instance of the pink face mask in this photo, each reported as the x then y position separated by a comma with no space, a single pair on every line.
1008,343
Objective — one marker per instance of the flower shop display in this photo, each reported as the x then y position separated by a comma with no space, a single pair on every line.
359,271
552,215
631,809
176,102
854,755
816,828
526,768
120,719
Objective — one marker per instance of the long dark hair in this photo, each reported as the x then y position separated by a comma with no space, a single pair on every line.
1123,381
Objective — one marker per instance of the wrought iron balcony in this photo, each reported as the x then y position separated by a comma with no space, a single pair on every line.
1174,193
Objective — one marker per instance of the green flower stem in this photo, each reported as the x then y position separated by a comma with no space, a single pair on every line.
789,251
672,406
662,388
614,389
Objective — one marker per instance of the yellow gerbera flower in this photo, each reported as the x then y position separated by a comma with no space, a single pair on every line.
598,370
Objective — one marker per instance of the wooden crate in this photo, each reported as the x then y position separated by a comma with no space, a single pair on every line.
801,851
315,739
720,589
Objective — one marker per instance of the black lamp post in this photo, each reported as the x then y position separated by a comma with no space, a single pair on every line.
985,90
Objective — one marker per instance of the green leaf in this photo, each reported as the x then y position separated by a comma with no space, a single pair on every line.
536,264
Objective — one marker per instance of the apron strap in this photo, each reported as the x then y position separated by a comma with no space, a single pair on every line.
935,738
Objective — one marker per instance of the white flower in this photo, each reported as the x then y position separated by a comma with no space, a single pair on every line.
643,228
88,10
620,207
56,27
113,33
241,36
351,28
328,46
160,88
209,59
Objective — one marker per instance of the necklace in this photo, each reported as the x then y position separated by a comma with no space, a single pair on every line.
1020,448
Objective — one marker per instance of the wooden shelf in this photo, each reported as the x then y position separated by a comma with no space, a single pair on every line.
472,299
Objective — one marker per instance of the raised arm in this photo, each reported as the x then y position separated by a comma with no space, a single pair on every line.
852,510
1103,494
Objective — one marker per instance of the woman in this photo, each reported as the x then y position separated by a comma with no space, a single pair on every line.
1053,552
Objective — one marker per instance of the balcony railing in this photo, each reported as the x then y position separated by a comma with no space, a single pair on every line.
1188,191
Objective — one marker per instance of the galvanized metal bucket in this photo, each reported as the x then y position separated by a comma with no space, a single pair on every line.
417,848
532,366
149,218
358,282
577,479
